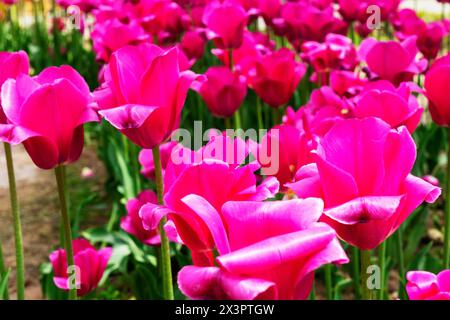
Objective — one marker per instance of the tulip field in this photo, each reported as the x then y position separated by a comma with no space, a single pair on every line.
225,150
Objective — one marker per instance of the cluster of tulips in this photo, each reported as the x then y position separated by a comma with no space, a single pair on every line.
340,110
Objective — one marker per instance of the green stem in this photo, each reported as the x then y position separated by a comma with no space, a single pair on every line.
365,263
237,120
447,212
227,123
401,261
165,247
61,181
3,272
356,272
382,263
259,112
17,226
329,282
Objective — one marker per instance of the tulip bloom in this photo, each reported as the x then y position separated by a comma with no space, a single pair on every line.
266,250
276,77
391,60
46,113
193,44
111,35
397,107
12,64
363,169
436,86
132,223
90,263
320,113
202,173
429,35
305,22
226,22
223,91
146,84
423,285
336,53
145,230
294,151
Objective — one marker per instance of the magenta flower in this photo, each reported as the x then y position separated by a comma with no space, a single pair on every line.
336,53
322,111
12,64
352,10
46,113
276,77
113,34
226,22
149,91
91,265
392,60
363,169
254,46
305,22
143,217
423,285
436,86
202,173
265,250
429,35
163,19
378,100
193,44
294,151
223,91
346,83
132,222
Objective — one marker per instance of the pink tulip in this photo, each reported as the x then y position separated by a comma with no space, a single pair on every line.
336,53
12,64
202,173
429,36
46,113
363,171
323,110
294,151
423,285
254,46
266,250
140,221
113,34
308,23
346,83
9,2
436,86
193,44
132,222
146,159
270,10
84,5
225,22
391,60
223,91
163,19
276,77
150,91
91,265
352,10
378,100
